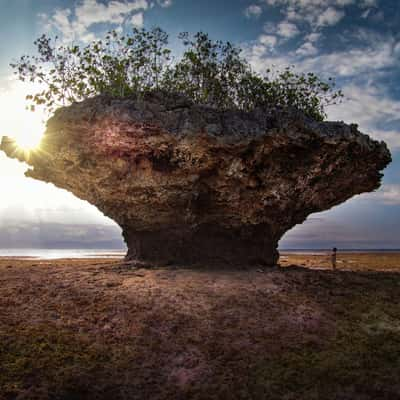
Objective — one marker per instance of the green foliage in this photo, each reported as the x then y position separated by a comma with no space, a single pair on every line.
209,72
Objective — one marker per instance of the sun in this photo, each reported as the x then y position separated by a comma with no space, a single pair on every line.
27,129
25,126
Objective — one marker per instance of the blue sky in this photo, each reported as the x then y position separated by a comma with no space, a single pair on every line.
356,41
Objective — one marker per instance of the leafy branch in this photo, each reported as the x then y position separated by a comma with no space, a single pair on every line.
209,72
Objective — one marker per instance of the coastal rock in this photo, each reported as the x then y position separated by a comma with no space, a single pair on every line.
190,184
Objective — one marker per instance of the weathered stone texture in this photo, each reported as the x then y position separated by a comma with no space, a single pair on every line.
190,184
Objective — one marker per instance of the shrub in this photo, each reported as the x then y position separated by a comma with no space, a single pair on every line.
209,72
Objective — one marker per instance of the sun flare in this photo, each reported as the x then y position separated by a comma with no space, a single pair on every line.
28,133
27,129
16,121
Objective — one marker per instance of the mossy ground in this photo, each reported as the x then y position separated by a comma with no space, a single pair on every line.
80,329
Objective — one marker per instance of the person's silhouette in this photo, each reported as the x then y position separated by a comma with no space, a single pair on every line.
333,257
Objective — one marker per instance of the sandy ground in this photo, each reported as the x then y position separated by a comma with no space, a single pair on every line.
86,329
345,261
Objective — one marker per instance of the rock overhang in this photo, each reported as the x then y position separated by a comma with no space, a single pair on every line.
188,183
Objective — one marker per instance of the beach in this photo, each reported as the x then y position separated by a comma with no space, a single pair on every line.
95,329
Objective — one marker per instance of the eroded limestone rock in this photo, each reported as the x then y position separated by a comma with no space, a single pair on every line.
190,184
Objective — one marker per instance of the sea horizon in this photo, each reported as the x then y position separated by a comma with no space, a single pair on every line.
44,253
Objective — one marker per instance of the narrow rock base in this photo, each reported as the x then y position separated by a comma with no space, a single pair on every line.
206,245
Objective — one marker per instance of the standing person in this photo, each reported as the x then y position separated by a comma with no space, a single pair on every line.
333,258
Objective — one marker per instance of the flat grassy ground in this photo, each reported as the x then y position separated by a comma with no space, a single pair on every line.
85,329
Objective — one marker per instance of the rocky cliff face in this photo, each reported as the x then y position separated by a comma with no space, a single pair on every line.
190,184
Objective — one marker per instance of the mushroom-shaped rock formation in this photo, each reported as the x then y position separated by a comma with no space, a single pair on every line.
190,184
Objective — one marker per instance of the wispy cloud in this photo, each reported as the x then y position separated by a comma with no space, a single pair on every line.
353,61
367,52
343,63
269,41
371,108
321,13
359,66
388,194
165,3
330,16
307,49
253,11
60,236
137,20
317,13
76,23
287,29
368,3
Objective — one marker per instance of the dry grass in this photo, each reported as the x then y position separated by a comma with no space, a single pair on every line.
83,329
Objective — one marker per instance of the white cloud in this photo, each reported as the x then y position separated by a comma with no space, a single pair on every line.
388,194
391,138
370,108
287,29
342,3
75,24
165,3
307,49
314,12
368,3
268,40
314,3
259,50
368,105
61,19
313,37
352,62
355,62
137,20
91,12
330,16
253,10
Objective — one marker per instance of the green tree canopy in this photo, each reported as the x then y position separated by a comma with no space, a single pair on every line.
209,72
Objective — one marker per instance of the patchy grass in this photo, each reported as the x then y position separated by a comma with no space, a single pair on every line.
45,362
75,329
353,365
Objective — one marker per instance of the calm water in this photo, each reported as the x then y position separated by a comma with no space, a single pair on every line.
323,251
107,253
62,253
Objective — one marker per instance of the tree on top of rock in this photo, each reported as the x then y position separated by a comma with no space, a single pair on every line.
209,72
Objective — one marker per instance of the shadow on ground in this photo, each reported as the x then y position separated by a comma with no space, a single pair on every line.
79,329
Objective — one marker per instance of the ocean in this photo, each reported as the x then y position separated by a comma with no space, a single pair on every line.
52,254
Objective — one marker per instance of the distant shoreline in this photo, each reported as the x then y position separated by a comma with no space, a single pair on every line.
55,254
319,251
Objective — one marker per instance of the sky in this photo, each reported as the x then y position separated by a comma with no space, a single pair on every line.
355,41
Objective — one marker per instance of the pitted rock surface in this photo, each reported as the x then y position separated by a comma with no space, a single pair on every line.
189,184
